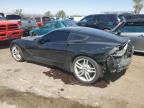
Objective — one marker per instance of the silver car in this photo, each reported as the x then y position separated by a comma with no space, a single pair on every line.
134,30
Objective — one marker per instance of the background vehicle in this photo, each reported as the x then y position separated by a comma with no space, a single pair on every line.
2,17
100,21
26,24
86,52
133,29
52,25
9,30
42,20
131,16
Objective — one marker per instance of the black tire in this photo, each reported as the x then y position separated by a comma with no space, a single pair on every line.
21,59
96,66
34,34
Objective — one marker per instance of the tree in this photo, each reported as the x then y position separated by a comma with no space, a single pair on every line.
138,6
48,14
61,14
18,12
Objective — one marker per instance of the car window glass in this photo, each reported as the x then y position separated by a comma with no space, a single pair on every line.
56,36
79,37
57,25
87,19
103,18
1,17
133,27
13,17
76,37
96,19
49,25
108,19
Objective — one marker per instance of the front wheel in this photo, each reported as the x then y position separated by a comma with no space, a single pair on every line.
34,34
17,53
86,69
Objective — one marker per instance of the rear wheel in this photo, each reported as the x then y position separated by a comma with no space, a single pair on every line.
17,53
86,69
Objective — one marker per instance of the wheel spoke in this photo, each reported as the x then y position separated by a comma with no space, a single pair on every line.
87,76
81,72
78,65
91,70
85,62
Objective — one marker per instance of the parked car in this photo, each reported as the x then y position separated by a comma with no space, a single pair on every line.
132,16
42,20
87,52
2,16
134,30
52,25
9,30
100,21
26,24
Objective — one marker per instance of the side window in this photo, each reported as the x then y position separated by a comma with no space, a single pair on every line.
56,36
132,28
77,37
96,19
104,19
87,19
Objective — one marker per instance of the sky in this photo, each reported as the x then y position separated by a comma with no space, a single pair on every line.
71,7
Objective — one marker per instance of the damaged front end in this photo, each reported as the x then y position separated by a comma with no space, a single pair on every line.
119,58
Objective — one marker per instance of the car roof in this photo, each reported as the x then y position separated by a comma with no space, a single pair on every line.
103,14
86,31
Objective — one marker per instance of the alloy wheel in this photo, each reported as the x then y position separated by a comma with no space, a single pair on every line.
16,53
85,70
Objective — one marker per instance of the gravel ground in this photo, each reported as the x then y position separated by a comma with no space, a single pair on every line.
31,85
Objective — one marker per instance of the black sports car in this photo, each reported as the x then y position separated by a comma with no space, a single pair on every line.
86,52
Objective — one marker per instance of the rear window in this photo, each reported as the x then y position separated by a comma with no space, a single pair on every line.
13,17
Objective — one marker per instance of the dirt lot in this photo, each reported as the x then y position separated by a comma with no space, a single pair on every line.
31,85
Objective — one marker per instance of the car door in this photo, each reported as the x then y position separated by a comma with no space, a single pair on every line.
52,47
134,31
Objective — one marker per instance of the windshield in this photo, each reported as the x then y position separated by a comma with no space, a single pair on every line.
13,17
